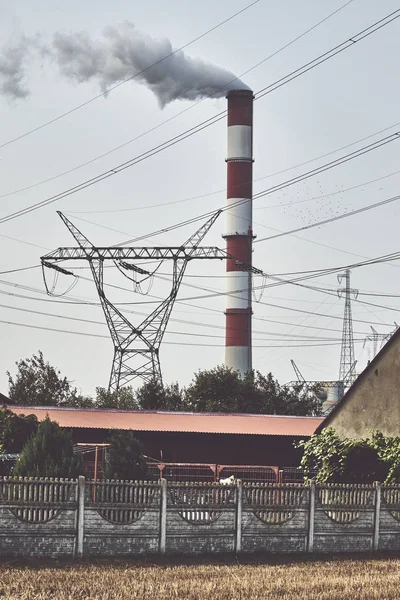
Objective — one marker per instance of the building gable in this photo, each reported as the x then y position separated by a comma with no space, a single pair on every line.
373,401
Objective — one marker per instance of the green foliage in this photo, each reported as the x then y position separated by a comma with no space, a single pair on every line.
15,430
154,396
123,398
223,390
124,458
325,453
4,464
37,383
49,453
388,451
217,390
350,460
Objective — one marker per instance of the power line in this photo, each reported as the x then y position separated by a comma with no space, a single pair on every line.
179,113
331,53
294,180
97,335
332,219
168,143
19,270
354,187
192,323
102,94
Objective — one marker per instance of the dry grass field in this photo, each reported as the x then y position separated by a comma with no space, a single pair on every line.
252,578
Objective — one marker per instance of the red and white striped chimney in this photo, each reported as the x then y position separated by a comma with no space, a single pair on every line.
239,230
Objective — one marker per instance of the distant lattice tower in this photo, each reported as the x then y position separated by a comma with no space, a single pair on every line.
347,355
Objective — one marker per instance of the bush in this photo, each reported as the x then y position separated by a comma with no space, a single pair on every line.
124,458
49,453
350,461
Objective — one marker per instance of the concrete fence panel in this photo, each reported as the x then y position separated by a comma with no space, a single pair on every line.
56,517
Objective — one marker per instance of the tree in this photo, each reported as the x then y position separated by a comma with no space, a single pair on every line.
223,390
15,430
49,453
124,458
154,396
216,390
37,383
123,398
284,400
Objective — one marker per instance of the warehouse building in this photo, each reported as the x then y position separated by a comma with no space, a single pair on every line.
197,438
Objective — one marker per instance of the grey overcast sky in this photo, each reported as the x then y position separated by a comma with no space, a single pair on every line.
346,99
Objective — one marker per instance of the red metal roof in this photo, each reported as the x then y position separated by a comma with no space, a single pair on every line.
175,421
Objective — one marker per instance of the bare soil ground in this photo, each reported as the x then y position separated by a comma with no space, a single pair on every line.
226,578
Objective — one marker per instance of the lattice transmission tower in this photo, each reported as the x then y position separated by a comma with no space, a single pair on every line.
136,347
347,354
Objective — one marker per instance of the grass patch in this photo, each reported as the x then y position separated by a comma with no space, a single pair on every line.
257,577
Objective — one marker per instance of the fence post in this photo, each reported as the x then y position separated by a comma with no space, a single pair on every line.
163,516
239,513
80,516
377,514
311,518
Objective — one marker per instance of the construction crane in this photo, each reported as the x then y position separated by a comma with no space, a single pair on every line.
136,347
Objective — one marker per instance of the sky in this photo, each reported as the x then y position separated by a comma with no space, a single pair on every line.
349,98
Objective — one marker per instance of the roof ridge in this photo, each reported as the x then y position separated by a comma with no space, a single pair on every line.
161,412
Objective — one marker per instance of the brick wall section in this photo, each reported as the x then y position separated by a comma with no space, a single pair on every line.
82,518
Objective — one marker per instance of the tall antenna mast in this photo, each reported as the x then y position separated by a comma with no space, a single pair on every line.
347,355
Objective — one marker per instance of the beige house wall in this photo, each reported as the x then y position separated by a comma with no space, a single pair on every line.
374,400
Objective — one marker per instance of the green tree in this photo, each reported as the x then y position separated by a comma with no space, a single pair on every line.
15,430
124,458
154,396
223,390
279,399
216,390
123,398
49,453
37,383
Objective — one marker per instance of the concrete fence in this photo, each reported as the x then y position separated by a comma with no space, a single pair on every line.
43,517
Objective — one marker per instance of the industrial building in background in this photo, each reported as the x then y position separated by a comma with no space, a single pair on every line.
239,231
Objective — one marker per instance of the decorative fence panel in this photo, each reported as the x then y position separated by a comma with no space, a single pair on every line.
43,517
38,516
344,518
121,517
201,517
275,517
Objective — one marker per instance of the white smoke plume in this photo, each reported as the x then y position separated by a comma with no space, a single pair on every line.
124,52
121,53
13,61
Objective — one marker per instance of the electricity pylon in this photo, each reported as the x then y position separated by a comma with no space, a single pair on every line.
136,348
347,355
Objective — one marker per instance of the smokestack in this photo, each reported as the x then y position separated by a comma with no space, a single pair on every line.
239,230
